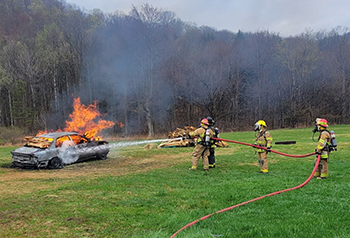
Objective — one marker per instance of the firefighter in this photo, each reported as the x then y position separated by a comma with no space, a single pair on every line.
323,148
203,134
211,156
263,139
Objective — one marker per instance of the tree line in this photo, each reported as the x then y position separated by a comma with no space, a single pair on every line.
153,72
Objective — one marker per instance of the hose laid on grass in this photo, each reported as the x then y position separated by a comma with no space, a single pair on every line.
258,198
258,147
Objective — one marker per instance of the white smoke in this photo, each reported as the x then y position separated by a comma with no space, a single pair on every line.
69,156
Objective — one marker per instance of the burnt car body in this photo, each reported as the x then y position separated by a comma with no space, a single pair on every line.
56,149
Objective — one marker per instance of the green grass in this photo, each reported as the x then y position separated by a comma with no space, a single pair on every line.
160,201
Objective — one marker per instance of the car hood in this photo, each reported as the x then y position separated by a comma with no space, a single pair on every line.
26,150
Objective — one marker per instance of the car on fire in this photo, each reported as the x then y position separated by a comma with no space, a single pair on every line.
56,149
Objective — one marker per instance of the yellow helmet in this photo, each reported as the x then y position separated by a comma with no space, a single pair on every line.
259,124
262,123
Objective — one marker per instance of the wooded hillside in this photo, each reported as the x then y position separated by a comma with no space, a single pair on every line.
154,72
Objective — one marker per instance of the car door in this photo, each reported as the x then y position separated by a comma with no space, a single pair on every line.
84,147
67,150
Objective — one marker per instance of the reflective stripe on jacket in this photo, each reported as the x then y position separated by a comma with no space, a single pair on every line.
200,133
324,141
263,139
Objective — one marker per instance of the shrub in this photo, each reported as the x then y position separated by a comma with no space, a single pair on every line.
11,135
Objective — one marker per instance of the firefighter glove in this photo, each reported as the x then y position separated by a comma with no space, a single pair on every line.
268,149
316,152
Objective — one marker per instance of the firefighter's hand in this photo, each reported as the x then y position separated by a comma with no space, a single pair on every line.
189,136
268,149
317,153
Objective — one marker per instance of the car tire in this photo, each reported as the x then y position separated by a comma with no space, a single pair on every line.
102,156
55,163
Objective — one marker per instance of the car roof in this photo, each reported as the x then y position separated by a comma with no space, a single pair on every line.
57,134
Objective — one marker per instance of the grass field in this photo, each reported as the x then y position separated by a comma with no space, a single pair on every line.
151,193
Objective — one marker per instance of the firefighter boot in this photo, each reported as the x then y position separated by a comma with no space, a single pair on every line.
193,168
263,166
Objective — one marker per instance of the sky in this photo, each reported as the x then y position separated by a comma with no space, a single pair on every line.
285,17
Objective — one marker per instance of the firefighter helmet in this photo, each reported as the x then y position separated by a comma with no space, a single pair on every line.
211,121
205,121
322,122
262,123
259,124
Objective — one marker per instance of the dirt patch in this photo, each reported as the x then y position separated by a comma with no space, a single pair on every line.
252,164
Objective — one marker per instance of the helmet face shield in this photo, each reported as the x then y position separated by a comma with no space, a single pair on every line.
257,126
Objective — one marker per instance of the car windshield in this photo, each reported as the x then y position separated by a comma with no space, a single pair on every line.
78,139
39,142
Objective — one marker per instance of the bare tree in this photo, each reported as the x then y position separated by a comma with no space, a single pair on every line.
298,57
150,48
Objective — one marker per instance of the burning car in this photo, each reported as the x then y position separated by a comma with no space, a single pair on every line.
56,149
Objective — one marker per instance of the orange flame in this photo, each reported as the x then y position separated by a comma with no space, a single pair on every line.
83,120
120,124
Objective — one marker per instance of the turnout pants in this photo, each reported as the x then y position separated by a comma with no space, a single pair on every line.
211,157
263,162
198,152
322,169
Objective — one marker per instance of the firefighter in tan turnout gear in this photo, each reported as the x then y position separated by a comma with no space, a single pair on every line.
323,148
203,134
263,139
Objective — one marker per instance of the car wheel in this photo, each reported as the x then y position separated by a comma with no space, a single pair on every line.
102,156
55,163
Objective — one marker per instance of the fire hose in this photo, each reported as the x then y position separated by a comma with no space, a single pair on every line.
258,198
